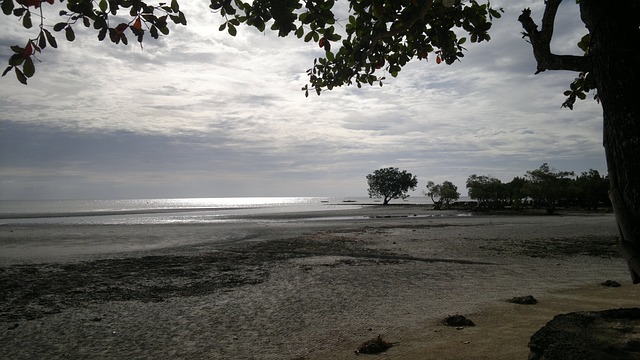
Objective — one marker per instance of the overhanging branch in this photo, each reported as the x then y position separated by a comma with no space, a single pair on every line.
541,41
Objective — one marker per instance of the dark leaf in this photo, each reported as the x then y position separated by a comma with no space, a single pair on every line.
28,68
16,60
59,26
70,35
50,39
122,27
102,34
26,20
308,37
113,36
20,76
232,30
7,70
7,7
42,40
154,32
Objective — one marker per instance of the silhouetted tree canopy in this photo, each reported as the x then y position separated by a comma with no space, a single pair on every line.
391,183
442,194
376,37
546,186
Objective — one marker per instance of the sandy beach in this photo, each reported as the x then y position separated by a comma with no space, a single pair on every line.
280,287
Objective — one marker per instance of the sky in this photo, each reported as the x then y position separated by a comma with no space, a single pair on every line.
199,113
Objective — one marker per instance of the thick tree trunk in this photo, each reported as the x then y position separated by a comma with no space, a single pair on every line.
615,64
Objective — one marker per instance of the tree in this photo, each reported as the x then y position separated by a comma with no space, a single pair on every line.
488,190
385,35
442,194
609,66
378,35
391,183
591,189
546,186
515,192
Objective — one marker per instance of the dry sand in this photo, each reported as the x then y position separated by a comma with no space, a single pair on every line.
281,288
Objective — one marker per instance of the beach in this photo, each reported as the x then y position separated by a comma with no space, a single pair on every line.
286,286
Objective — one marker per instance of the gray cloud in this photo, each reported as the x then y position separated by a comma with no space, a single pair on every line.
199,113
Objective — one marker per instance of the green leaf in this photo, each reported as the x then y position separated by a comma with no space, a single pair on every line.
330,56
175,6
28,68
309,36
20,76
103,5
222,27
7,7
16,60
232,30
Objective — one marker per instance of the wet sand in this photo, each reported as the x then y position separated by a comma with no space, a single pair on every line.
287,288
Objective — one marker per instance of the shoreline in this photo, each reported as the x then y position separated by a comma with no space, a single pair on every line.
295,290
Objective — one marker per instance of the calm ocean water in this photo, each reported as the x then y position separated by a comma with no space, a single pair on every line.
163,211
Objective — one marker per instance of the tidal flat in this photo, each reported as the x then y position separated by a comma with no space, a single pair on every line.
287,286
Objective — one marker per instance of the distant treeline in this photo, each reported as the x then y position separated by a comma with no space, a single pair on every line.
543,188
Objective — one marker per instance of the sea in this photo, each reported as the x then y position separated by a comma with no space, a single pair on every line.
168,211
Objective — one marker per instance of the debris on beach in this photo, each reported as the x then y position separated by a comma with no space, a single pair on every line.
373,346
457,320
611,283
523,300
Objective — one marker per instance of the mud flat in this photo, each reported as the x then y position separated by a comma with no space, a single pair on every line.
295,286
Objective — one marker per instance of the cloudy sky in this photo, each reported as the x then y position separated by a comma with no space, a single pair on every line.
203,114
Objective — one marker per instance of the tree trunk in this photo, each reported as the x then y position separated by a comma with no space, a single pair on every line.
615,64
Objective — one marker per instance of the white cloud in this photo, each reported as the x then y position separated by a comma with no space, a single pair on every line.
208,114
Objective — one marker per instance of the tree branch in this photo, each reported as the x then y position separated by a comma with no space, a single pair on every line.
541,41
